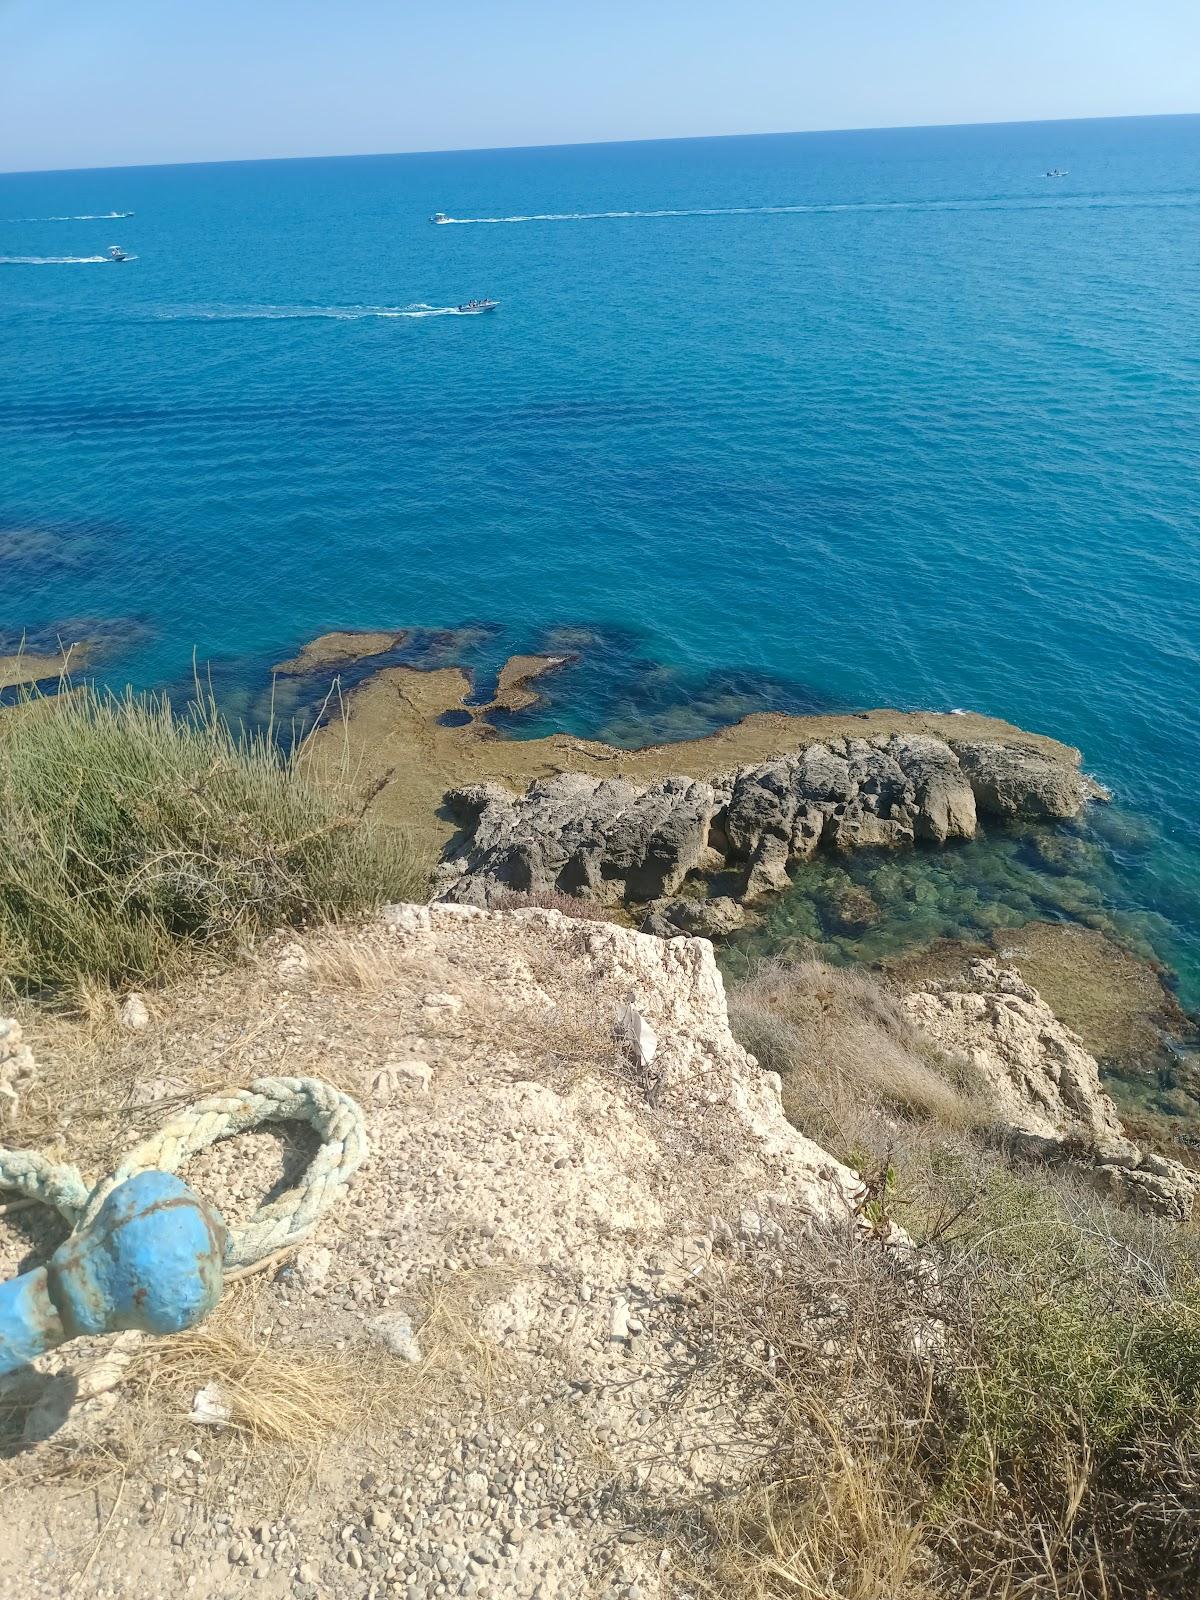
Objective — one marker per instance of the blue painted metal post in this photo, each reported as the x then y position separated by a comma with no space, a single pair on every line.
152,1259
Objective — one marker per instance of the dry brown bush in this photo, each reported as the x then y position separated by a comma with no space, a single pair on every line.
1047,1445
845,1051
1007,1414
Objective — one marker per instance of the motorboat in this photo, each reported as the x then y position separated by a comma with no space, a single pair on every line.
1056,172
439,216
479,305
115,253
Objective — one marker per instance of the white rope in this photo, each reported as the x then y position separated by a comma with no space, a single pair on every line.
277,1226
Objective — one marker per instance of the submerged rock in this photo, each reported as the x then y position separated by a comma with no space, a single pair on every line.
704,919
854,909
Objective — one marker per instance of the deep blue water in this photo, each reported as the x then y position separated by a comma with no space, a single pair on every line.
856,418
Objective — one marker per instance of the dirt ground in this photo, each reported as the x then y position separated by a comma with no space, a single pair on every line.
493,1371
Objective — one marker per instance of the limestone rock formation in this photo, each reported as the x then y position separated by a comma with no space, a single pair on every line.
712,918
599,839
1044,1084
610,840
17,1070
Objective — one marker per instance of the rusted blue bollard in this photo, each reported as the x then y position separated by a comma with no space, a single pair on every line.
152,1258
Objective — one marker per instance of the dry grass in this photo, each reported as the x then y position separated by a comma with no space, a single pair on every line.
358,962
1042,1445
289,1402
277,1394
568,905
845,1051
848,1534
824,1352
564,1042
1015,1421
1047,1443
455,1356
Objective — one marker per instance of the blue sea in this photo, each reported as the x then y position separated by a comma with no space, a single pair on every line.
805,421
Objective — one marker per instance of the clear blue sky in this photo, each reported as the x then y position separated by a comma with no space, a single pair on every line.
116,82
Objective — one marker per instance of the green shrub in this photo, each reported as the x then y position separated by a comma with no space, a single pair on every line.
131,838
1065,1432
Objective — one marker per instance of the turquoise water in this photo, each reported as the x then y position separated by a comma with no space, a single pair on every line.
807,421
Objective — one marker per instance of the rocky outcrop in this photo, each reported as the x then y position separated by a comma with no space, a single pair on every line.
1045,1086
598,839
713,918
17,1070
611,840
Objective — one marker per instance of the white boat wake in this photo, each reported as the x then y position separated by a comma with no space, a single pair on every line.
58,261
218,313
85,216
993,203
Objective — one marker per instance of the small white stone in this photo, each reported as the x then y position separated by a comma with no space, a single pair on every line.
293,961
210,1408
442,1002
134,1014
637,1033
399,1075
618,1322
310,1266
406,918
394,1331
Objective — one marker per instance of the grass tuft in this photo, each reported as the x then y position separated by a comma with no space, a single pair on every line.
133,839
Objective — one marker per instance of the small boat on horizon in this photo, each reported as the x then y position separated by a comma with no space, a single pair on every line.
473,306
1056,172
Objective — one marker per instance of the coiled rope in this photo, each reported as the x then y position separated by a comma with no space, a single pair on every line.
277,1226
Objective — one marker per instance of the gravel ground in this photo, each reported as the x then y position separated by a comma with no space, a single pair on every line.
516,1283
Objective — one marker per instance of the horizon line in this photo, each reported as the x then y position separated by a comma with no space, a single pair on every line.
587,144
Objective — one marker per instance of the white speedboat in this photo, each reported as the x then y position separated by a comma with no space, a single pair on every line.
1056,172
115,253
439,216
479,305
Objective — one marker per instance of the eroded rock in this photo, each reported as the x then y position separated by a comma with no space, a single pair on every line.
17,1070
600,839
610,840
1045,1085
704,919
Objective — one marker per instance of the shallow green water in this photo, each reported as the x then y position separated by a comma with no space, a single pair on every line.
875,905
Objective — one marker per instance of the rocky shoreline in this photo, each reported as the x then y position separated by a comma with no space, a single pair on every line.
424,743
612,841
